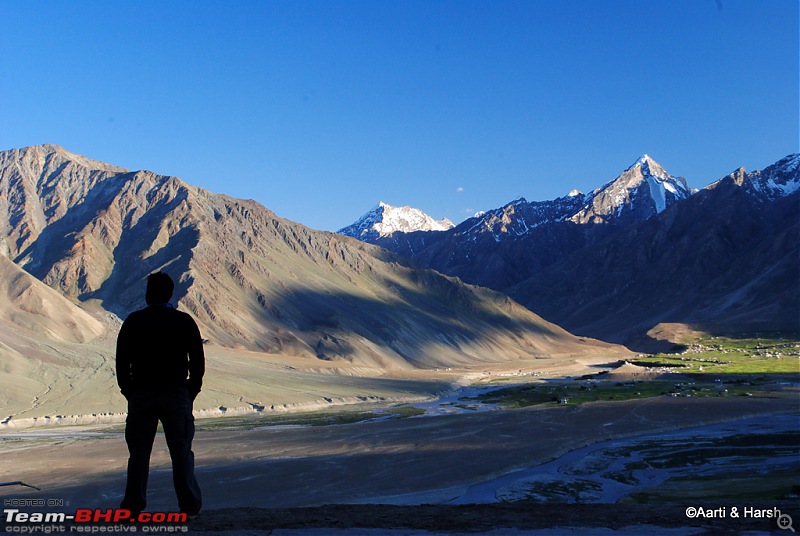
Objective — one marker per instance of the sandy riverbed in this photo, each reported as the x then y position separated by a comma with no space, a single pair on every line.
405,461
251,475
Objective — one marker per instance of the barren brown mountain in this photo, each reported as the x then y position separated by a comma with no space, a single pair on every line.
252,280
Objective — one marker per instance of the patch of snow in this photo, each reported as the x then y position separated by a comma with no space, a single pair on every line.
789,188
657,193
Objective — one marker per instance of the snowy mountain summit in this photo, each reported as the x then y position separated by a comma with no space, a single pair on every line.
639,193
385,219
781,179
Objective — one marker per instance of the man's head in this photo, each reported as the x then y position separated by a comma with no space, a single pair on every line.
159,288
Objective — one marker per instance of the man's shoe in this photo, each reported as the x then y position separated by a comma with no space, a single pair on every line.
192,516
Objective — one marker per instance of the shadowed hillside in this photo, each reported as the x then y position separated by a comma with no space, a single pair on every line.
251,279
722,261
637,252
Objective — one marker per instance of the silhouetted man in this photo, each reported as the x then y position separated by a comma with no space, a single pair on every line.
160,366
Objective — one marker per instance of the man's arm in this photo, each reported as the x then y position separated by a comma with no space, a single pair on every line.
123,360
197,359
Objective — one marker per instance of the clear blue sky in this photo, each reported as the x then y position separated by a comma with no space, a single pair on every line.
320,109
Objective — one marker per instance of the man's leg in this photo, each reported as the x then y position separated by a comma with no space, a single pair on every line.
140,431
179,431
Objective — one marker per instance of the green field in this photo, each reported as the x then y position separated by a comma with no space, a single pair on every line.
707,367
727,355
580,392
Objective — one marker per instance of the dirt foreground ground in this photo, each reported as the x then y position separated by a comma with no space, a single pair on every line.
386,475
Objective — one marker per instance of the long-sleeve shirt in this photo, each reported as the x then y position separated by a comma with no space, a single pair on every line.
159,348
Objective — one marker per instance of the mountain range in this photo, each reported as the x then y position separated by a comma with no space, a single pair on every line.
78,238
279,303
640,251
91,232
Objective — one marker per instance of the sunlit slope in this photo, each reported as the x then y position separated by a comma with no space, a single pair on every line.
251,279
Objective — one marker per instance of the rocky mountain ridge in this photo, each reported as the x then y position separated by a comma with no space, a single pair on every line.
643,190
504,246
779,180
527,249
724,261
251,279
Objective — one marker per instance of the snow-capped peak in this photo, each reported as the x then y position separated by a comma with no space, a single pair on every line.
778,180
385,219
574,193
791,162
641,191
661,183
644,162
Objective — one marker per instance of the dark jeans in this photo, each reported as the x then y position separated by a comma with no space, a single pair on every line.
174,410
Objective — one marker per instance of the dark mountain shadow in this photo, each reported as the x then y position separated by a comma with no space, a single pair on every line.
483,260
722,256
718,258
437,311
